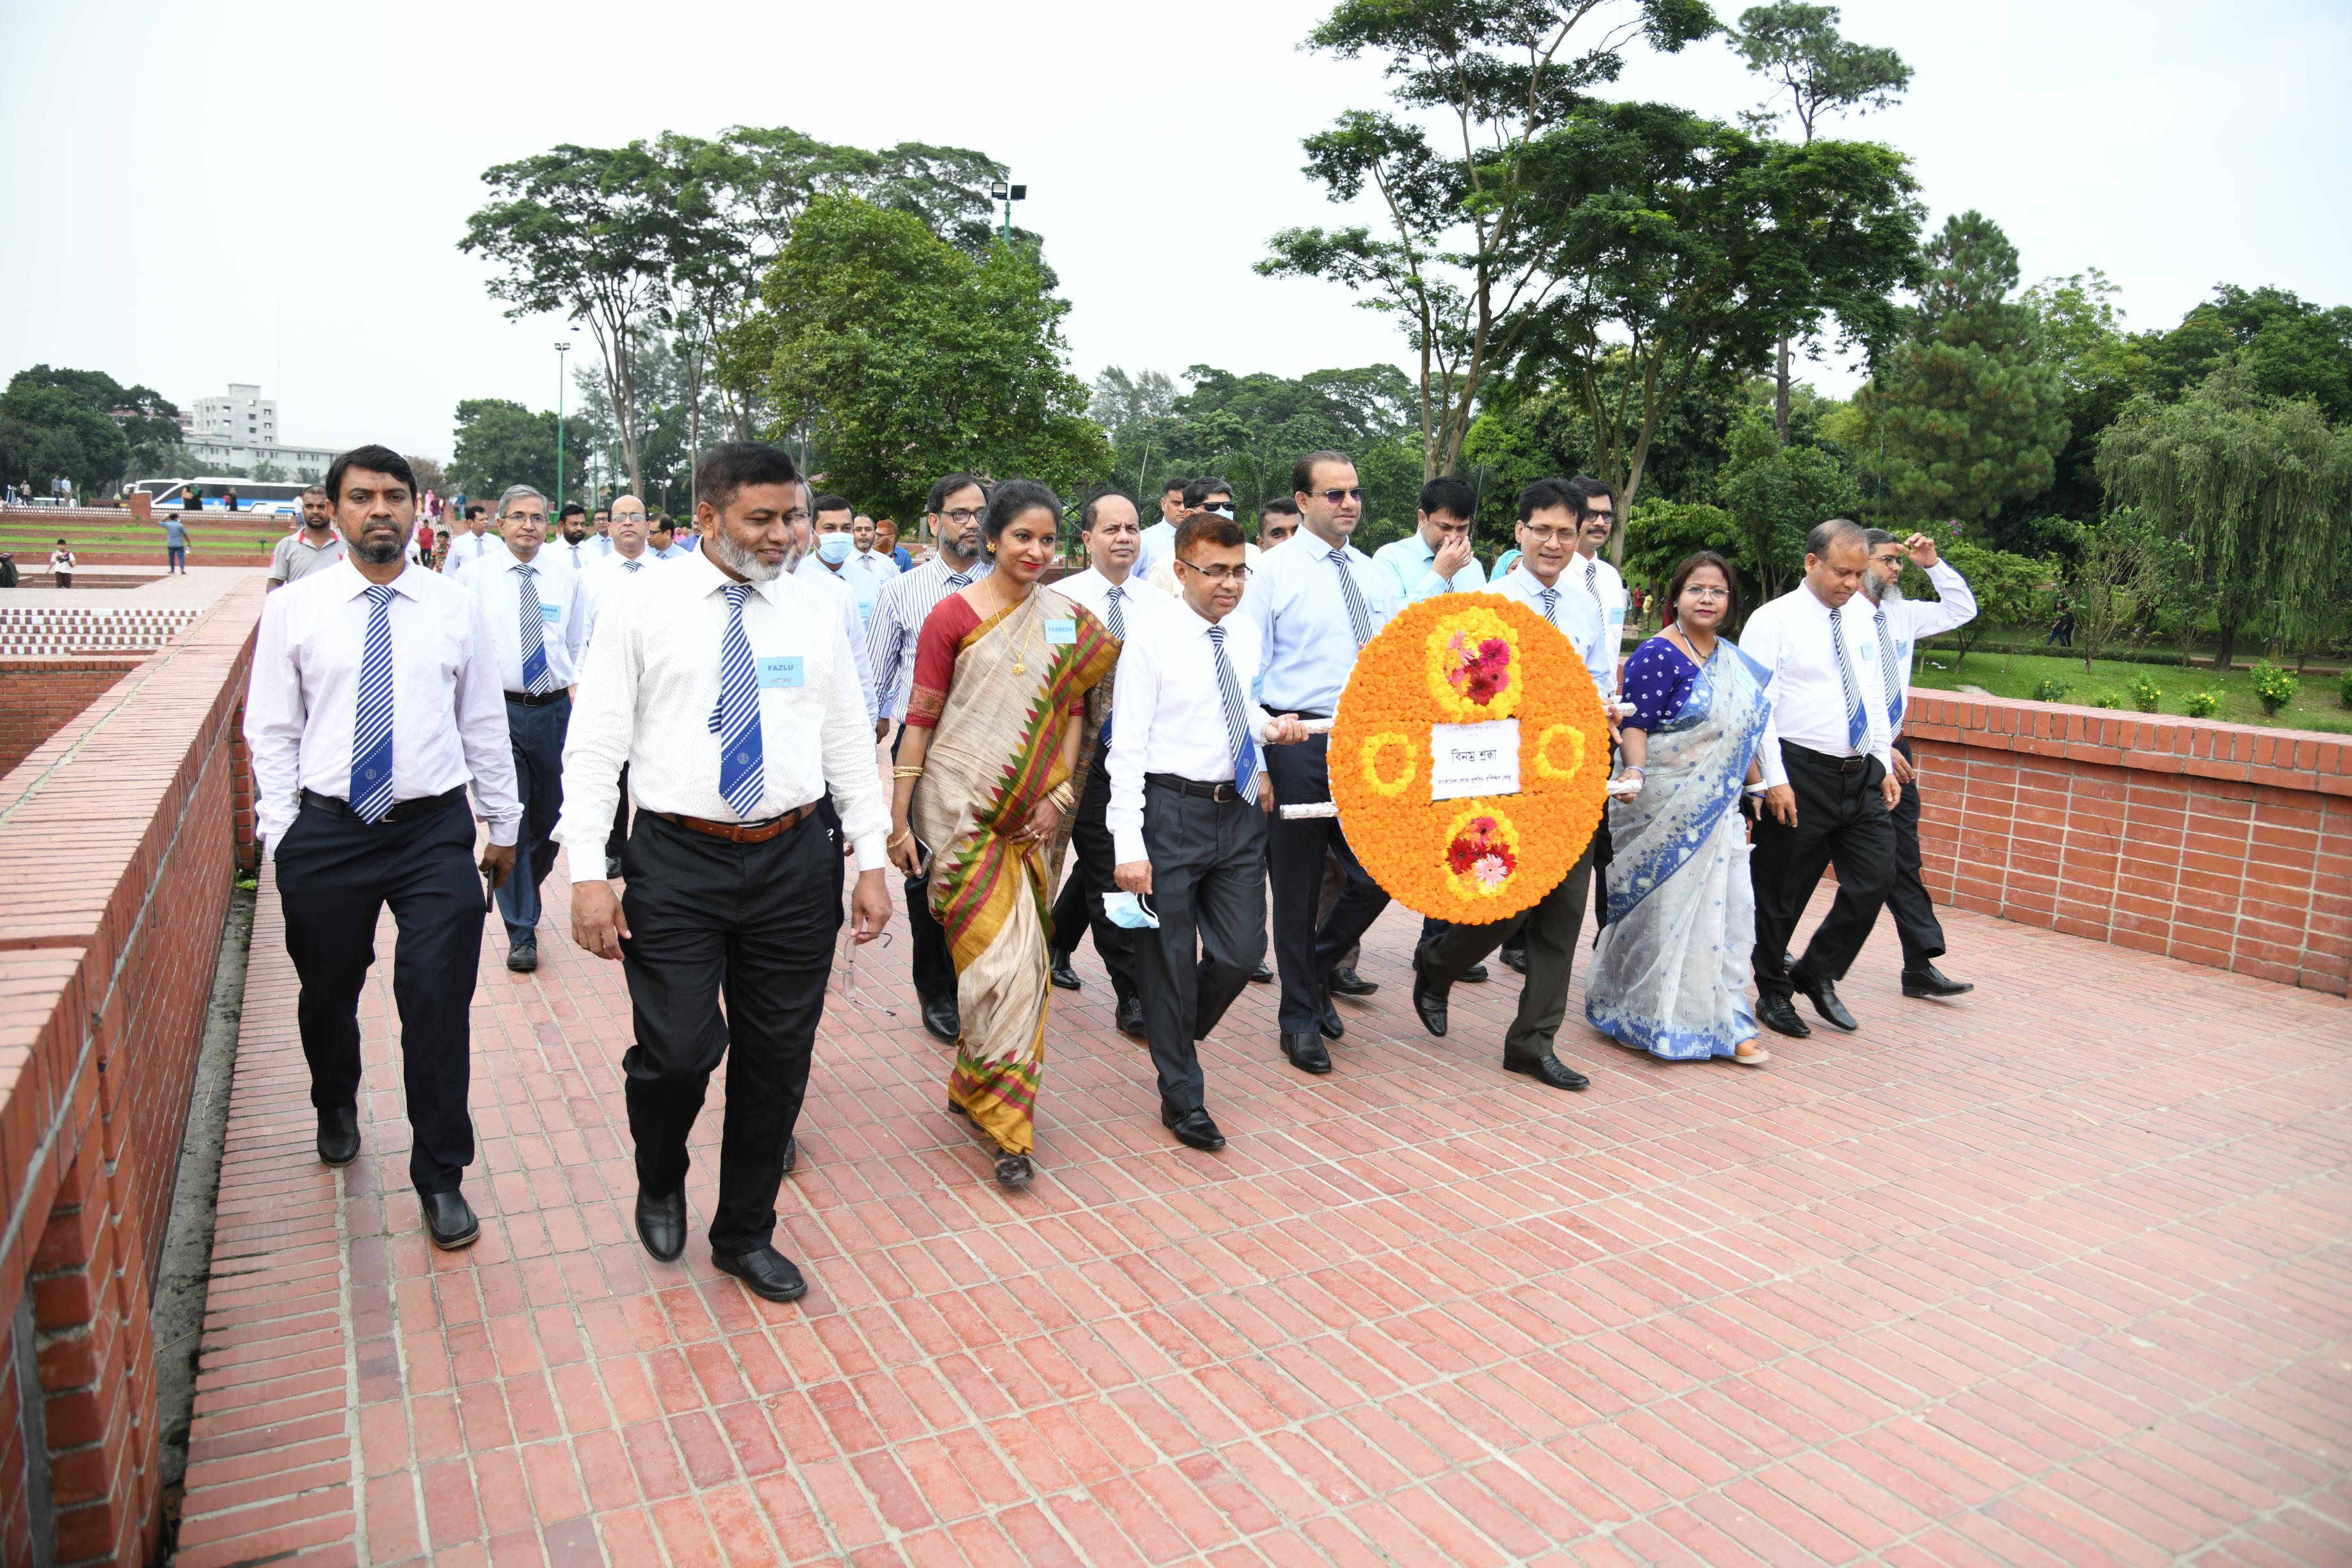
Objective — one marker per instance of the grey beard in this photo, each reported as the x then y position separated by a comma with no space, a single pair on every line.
746,565
1891,594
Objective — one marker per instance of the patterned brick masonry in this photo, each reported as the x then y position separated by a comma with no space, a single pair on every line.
2057,1274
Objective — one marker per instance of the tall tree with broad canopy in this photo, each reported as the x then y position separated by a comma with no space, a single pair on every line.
1798,49
1467,251
2259,487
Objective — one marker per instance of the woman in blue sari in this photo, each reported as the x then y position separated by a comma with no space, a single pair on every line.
1670,976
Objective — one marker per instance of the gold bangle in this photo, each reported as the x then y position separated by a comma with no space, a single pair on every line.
904,836
905,772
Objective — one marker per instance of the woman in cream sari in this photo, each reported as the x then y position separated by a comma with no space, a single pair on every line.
997,727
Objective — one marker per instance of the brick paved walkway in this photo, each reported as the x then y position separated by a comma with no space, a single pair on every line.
2058,1275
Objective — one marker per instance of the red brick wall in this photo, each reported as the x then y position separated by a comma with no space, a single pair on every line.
2221,844
38,694
108,941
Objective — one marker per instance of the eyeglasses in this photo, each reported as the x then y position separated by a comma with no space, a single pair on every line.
1537,538
1333,498
1706,593
962,517
1223,508
1219,573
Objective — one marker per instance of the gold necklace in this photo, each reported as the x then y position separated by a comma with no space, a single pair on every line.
1028,640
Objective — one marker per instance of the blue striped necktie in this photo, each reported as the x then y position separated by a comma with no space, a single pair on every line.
535,676
1551,597
742,765
1889,673
1238,739
1117,616
1857,720
1359,618
371,792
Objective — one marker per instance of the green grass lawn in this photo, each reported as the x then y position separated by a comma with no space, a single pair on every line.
2315,704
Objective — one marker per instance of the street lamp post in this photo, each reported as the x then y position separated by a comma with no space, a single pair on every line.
1008,194
561,348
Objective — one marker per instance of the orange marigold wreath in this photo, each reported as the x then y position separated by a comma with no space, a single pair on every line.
1468,658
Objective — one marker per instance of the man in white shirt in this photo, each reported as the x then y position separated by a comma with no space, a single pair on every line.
374,700
473,541
1110,589
538,617
876,562
1277,520
1830,785
1188,810
833,583
731,690
616,572
1591,575
1435,557
313,547
1549,932
834,551
576,547
1900,624
1159,539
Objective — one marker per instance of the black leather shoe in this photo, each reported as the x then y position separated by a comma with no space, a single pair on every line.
1261,975
1192,1127
449,1220
1824,998
1306,1051
1130,1016
1429,1000
523,957
1779,1014
1014,1170
792,1154
942,1018
1929,982
1329,1024
1347,982
765,1272
339,1136
1548,1070
661,1225
1515,959
1473,975
1059,972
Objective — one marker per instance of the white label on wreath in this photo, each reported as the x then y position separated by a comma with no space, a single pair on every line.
1473,758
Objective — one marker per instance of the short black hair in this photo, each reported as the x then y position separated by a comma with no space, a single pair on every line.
1871,538
1166,485
660,523
1448,493
572,509
945,487
375,460
1302,472
1682,575
1010,499
1087,512
1208,484
1582,490
480,509
831,502
1208,528
731,464
1278,503
1836,530
1543,495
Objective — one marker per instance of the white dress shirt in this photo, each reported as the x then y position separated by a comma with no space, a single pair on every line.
1159,545
448,711
1295,599
1600,582
606,574
1161,573
1910,622
1413,563
651,685
578,557
465,548
1790,638
905,603
880,566
1572,613
1169,712
496,582
1137,599
844,597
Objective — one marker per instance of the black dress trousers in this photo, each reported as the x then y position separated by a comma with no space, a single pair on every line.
1208,888
1916,925
934,964
1840,821
335,874
1304,952
1093,860
1547,935
755,922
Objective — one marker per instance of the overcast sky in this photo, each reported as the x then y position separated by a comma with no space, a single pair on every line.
273,191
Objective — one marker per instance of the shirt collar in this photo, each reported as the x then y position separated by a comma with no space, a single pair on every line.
709,579
1535,584
349,585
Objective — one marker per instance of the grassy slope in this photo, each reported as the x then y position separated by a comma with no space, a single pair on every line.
2316,705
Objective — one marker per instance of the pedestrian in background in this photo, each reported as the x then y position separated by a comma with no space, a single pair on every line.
175,544
61,565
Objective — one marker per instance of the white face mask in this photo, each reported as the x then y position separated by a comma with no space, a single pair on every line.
835,548
1128,910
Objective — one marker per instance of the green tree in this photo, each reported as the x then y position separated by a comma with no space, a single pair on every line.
1661,534
2103,368
500,443
908,358
1469,248
1797,48
2008,588
2114,575
1138,414
2259,487
1774,495
2287,346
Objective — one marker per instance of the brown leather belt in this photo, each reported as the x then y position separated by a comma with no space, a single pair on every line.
743,832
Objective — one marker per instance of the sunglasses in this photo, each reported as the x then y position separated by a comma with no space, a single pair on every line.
1333,498
1222,508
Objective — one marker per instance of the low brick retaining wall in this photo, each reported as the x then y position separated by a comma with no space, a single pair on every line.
2221,844
118,843
39,695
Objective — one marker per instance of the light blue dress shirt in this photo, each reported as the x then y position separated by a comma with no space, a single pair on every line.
1309,642
1576,614
1409,560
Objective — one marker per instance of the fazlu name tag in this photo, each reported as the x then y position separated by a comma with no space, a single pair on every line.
779,673
549,612
1473,758
1062,633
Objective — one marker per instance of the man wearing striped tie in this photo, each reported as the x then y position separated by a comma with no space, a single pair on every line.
374,700
1829,775
538,614
1188,810
729,689
617,571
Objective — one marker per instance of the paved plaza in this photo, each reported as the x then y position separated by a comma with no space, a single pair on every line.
2057,1275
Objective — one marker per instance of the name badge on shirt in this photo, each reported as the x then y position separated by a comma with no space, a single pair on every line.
779,673
1062,633
549,613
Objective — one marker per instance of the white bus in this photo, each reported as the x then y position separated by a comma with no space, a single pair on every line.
262,498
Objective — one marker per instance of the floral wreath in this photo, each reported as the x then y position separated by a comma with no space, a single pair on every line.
1468,658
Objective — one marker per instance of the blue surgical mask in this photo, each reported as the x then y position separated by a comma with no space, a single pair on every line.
1127,910
835,548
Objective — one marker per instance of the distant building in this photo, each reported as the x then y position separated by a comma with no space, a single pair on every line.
239,430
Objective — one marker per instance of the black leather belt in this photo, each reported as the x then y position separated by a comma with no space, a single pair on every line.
1182,785
402,811
1822,759
528,700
